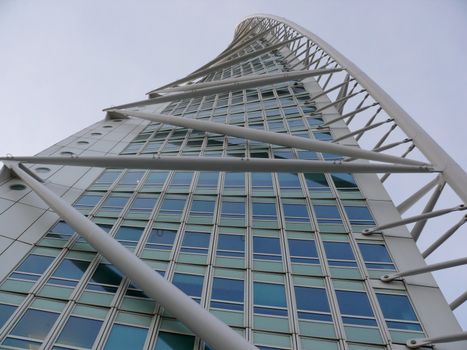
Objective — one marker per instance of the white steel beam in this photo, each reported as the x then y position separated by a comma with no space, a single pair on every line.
414,198
458,301
413,219
218,164
428,268
267,137
444,237
205,325
418,343
235,84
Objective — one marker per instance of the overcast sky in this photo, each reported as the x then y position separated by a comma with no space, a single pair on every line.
62,62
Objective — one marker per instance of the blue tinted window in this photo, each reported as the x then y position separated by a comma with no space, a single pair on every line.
114,203
289,180
344,181
264,211
36,264
295,212
106,278
170,341
191,285
131,178
80,332
316,181
269,299
161,239
35,324
303,251
208,179
88,201
108,177
327,214
231,245
61,230
266,248
72,269
260,180
235,210
339,254
156,178
312,304
376,256
353,303
234,180
359,215
129,236
143,204
202,208
172,206
195,242
5,312
396,307
227,294
182,179
123,337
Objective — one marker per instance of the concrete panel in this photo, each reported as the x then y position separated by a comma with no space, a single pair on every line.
15,220
5,242
12,256
37,230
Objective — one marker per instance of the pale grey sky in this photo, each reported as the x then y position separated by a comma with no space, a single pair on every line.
62,62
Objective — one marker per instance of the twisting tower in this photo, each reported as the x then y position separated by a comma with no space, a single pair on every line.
241,206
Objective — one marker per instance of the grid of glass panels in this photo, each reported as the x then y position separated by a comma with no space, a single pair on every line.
272,255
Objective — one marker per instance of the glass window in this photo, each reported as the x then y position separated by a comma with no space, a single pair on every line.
303,251
5,312
87,201
295,212
327,214
359,215
233,210
35,324
191,285
195,242
108,177
156,178
323,135
114,203
32,267
231,245
344,181
182,179
161,239
266,248
355,308
61,230
269,299
289,180
106,278
261,181
309,155
397,309
171,341
172,206
69,272
123,337
227,294
312,304
202,208
143,205
316,181
132,177
234,180
376,256
339,254
208,179
79,331
129,236
264,211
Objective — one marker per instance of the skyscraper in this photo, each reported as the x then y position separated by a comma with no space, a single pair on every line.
252,186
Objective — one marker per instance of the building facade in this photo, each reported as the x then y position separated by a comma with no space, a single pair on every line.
275,232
